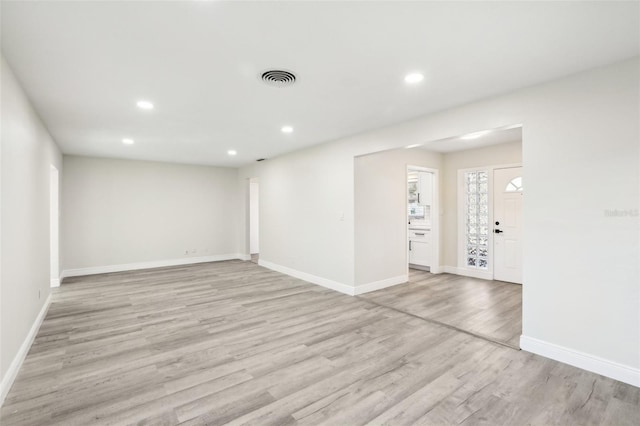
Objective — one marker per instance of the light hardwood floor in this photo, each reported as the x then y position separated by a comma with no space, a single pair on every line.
232,342
489,309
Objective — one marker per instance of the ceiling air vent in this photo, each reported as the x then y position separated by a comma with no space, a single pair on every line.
278,78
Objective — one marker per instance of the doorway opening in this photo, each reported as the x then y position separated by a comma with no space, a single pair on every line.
481,194
254,220
54,215
423,220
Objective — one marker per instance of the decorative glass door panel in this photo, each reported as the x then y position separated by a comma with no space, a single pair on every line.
477,219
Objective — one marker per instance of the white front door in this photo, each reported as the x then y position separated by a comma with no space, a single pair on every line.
507,217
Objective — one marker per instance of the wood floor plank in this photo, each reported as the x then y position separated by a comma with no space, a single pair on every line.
491,309
234,343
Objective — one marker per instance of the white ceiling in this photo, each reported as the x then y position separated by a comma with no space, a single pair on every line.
85,64
491,137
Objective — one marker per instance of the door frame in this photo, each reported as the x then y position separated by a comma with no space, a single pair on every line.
54,226
461,268
254,208
435,217
245,250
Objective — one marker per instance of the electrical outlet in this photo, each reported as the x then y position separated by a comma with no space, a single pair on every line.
193,251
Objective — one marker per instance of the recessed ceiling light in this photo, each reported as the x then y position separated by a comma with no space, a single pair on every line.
287,129
475,135
127,141
144,105
415,145
232,152
413,78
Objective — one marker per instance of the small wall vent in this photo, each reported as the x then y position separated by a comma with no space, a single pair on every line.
278,78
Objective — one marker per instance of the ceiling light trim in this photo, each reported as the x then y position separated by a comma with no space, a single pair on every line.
475,135
414,78
146,105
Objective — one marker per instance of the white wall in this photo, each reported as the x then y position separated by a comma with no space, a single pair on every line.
380,216
508,153
28,151
119,212
580,157
254,197
306,212
381,211
54,226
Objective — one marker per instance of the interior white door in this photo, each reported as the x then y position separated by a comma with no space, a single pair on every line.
507,237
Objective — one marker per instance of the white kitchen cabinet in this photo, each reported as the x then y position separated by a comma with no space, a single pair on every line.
420,188
425,188
420,196
412,187
420,247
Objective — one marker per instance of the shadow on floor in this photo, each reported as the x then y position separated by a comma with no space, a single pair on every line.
488,309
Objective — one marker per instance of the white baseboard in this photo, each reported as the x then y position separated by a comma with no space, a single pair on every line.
148,265
420,267
582,360
436,269
55,282
12,371
378,285
468,272
324,282
244,256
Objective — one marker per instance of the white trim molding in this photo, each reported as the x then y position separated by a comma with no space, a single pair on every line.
436,269
55,282
378,285
148,265
324,282
12,371
582,360
468,272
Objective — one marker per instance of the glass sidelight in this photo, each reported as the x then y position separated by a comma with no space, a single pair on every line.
477,219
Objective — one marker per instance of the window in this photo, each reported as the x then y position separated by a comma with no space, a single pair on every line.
515,185
477,219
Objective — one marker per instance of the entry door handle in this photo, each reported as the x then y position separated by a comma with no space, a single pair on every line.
497,231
